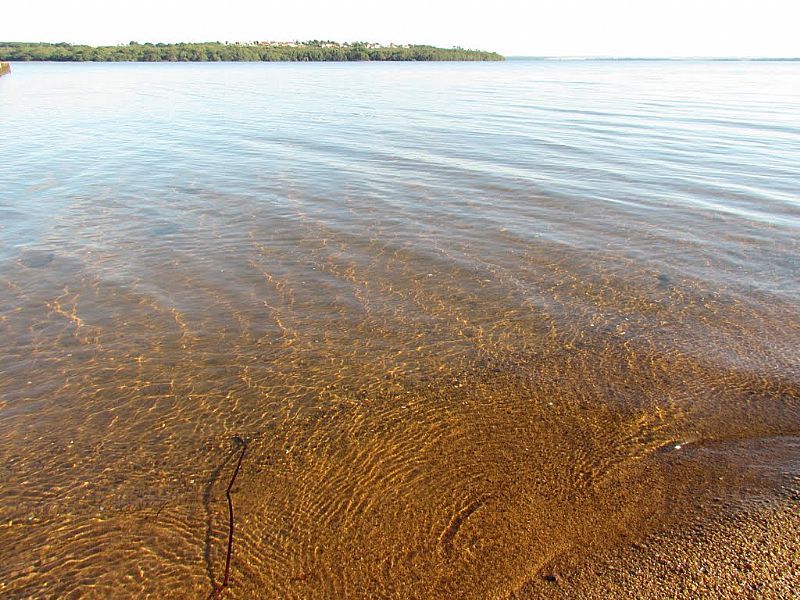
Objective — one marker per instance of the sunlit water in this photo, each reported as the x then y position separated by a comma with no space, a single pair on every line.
465,315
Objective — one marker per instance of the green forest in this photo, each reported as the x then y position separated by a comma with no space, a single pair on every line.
255,51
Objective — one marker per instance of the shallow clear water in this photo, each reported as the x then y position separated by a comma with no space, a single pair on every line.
463,313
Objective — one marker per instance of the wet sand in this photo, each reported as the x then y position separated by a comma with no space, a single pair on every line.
746,555
716,541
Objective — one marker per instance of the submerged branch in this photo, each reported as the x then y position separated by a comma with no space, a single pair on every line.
217,590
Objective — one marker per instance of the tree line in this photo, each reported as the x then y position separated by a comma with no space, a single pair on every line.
217,51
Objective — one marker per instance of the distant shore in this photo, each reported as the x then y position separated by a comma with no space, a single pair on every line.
248,52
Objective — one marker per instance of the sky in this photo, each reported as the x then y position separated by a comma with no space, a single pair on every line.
643,28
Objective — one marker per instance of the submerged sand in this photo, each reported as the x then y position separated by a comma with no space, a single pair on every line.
508,482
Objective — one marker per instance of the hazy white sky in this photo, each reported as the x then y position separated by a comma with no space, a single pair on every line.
512,27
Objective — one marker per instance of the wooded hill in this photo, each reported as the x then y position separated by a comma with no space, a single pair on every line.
255,51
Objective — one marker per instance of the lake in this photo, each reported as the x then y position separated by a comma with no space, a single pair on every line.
469,318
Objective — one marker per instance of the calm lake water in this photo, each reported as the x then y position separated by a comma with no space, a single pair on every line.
469,317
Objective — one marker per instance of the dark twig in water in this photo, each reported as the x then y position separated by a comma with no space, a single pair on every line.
207,493
217,591
160,508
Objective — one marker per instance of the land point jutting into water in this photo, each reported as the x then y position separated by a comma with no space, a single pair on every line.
267,51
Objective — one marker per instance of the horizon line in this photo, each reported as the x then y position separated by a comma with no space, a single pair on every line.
634,57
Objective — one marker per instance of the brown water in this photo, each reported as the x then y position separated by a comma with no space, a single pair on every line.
467,318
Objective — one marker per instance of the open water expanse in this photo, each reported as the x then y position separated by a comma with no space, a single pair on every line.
472,320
